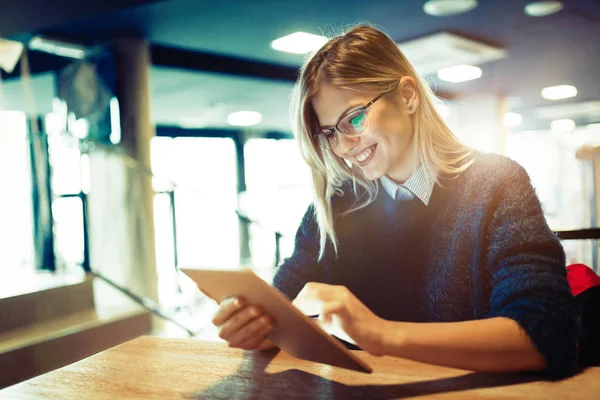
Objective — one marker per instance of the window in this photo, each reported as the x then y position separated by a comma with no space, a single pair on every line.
68,231
16,229
202,172
278,194
563,183
66,185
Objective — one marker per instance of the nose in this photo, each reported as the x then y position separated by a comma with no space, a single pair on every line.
346,144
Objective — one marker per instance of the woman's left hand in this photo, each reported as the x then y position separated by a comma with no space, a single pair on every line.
338,306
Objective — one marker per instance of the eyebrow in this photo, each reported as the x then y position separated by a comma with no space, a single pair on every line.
346,111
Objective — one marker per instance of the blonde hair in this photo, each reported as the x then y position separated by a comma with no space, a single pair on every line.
364,59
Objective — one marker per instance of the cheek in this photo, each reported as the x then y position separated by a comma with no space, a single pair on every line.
392,140
398,132
337,152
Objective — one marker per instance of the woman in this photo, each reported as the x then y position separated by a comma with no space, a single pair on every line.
416,246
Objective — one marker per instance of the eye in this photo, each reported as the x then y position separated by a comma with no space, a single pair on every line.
330,133
358,121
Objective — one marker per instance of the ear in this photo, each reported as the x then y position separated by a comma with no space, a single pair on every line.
409,94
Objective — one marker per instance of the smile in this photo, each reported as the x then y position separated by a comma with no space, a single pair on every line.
365,156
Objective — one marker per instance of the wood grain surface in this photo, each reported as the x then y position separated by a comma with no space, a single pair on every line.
159,368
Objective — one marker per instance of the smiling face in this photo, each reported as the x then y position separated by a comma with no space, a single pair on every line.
383,149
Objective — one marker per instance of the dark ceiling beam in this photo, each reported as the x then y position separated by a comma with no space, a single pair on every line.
28,16
176,131
174,57
192,60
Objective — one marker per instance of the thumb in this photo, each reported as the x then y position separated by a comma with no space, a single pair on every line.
330,309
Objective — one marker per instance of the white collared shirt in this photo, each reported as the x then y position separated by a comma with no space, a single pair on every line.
420,184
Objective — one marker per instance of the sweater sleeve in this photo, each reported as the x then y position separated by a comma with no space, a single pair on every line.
302,267
528,270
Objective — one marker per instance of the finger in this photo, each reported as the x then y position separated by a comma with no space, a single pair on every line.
237,322
261,343
308,306
317,291
258,338
330,309
227,308
266,344
251,332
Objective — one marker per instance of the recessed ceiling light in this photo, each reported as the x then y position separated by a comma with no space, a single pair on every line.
244,118
445,8
543,8
299,43
197,121
559,92
562,125
459,73
512,119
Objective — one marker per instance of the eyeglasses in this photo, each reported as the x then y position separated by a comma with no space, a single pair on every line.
353,123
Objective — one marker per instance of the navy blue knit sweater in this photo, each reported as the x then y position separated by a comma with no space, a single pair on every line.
480,249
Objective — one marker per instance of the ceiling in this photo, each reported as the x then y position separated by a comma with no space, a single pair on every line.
36,15
560,49
199,100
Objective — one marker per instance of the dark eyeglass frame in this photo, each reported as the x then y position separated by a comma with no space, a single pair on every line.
327,132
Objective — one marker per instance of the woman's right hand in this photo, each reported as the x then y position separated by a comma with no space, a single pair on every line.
243,326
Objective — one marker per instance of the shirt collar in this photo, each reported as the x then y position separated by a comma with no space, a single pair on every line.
420,184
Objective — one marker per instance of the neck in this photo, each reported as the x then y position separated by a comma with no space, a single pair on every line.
400,172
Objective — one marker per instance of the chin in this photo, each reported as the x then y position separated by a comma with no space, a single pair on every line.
372,174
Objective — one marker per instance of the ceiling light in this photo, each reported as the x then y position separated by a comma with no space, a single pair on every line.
512,119
194,122
244,118
459,73
445,8
562,125
299,43
543,8
559,92
57,47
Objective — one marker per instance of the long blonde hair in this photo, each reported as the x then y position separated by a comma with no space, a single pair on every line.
364,59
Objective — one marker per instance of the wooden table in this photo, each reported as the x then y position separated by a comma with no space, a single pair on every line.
156,368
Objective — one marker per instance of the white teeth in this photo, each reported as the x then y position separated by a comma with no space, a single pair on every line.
364,155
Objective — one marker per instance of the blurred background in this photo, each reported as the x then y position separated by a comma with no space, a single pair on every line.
139,136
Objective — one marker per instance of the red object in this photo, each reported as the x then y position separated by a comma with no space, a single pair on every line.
581,278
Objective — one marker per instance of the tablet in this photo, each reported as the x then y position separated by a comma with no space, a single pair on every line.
295,333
